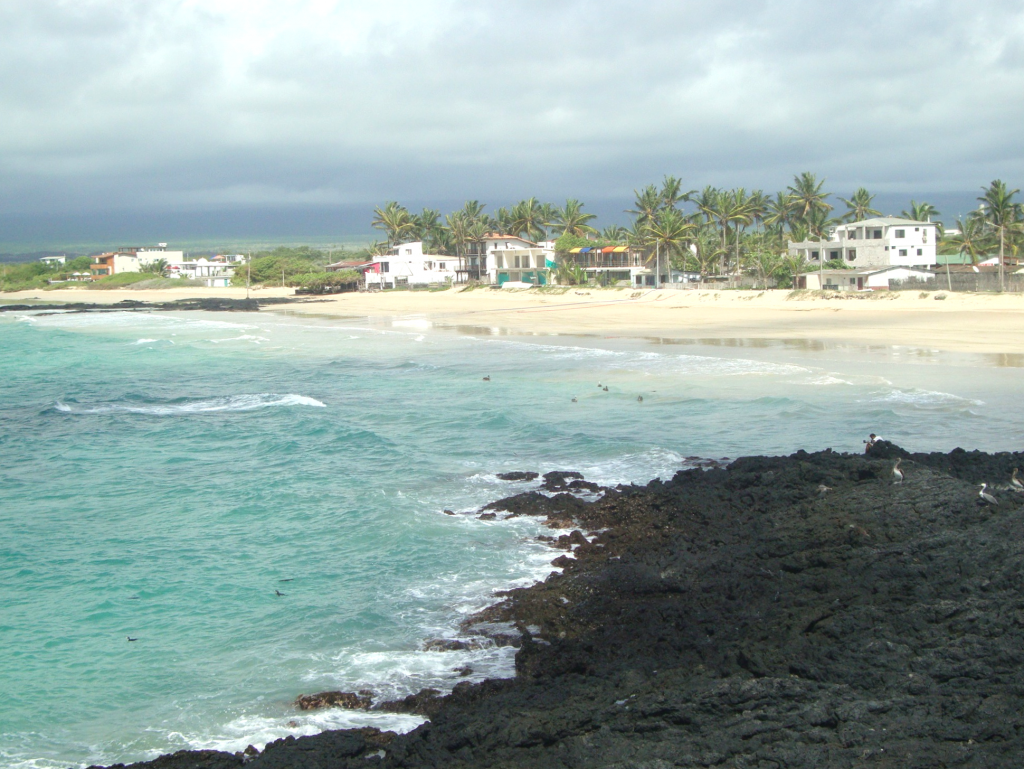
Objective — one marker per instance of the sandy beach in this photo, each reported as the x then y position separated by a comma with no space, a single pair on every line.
987,323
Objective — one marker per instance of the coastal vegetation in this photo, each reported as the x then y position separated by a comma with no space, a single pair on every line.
303,267
712,231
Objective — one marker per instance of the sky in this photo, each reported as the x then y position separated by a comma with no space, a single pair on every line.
137,107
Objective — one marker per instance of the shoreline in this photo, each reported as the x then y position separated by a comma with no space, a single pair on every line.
741,615
977,323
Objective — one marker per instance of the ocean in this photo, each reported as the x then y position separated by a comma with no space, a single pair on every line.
165,476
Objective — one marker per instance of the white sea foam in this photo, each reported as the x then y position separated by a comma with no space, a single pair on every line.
258,730
828,379
925,399
199,406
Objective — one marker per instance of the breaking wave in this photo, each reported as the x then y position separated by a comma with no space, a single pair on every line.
192,406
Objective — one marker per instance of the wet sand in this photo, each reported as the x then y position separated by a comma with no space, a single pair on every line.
989,323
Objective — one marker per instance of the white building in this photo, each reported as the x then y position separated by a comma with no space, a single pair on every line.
407,265
216,272
882,242
861,280
500,259
53,261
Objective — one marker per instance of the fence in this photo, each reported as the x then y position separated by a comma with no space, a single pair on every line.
961,281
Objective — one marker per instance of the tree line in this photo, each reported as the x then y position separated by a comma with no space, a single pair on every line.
713,231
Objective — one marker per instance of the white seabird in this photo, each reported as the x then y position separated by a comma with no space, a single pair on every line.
1015,483
984,496
897,474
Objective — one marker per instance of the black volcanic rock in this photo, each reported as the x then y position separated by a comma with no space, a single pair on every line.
736,617
518,476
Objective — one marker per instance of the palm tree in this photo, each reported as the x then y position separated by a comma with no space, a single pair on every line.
1001,211
971,238
859,206
527,216
765,264
806,195
425,226
670,231
739,211
796,266
672,192
707,250
571,219
920,212
394,220
615,233
648,203
778,211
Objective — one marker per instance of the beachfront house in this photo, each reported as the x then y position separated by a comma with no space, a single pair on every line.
215,272
53,261
407,265
882,242
611,265
498,259
862,280
132,259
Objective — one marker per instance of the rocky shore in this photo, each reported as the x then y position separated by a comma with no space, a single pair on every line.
801,611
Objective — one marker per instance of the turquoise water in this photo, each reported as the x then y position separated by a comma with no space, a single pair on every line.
163,475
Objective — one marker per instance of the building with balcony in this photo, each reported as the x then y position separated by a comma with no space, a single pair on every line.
616,264
882,242
407,265
498,259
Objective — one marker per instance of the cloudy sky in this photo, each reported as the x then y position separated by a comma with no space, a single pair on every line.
111,105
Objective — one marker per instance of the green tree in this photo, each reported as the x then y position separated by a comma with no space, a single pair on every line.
920,212
670,231
615,233
157,267
394,220
806,195
571,219
858,207
672,192
648,203
1001,211
765,265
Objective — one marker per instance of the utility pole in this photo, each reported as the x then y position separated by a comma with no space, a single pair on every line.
248,274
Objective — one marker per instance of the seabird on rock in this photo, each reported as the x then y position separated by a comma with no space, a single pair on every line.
823,489
897,474
1015,483
984,496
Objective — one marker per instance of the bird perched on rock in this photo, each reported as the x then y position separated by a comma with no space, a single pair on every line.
1015,483
823,490
897,474
985,497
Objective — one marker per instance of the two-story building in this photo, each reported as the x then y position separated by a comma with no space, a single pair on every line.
616,264
498,259
132,259
407,265
881,242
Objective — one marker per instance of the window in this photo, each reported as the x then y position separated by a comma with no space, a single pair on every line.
853,281
851,254
919,252
833,254
876,234
901,233
852,234
903,252
408,252
385,266
440,265
428,265
814,255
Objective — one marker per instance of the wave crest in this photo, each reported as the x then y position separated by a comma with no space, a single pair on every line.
186,406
